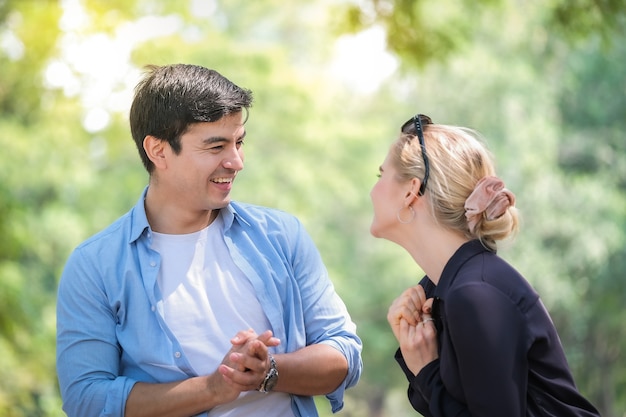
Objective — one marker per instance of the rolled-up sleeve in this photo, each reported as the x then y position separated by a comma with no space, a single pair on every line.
326,316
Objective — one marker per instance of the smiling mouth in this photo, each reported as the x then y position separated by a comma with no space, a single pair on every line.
223,180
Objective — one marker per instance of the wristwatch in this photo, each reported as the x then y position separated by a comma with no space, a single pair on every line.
271,378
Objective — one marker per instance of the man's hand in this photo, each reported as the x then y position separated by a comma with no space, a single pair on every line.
242,369
245,365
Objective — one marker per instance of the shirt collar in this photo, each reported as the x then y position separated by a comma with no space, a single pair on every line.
464,253
230,213
139,218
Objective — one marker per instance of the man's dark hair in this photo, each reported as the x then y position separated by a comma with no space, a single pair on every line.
170,98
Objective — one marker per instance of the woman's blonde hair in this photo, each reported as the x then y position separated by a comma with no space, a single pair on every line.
458,160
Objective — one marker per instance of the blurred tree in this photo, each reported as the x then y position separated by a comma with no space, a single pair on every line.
313,149
28,33
28,30
592,152
421,32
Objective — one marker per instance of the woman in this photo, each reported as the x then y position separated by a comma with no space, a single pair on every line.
475,339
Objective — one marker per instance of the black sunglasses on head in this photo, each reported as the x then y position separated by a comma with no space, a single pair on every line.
416,122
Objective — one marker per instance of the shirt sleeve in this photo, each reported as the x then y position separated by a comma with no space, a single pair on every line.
416,398
326,317
87,350
489,333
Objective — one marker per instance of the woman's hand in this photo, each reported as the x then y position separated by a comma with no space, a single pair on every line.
410,319
408,307
418,343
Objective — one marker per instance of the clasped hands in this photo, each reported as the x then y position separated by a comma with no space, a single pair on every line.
410,319
245,365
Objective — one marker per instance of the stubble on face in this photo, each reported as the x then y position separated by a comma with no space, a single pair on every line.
198,180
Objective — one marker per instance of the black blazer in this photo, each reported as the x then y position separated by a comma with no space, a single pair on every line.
499,352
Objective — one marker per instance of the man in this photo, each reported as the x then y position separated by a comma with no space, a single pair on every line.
192,304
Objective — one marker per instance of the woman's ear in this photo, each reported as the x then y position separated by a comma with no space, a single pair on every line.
413,189
155,149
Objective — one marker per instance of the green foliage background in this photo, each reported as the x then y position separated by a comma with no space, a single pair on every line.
545,87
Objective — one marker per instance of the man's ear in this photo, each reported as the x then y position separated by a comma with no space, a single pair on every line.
155,149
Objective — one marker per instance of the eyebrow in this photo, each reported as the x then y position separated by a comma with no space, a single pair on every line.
216,139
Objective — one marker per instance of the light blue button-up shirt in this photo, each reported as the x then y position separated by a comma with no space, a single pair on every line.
111,333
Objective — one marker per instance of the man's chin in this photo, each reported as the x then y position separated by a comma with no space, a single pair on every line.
221,204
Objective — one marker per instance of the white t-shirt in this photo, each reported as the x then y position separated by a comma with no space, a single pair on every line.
206,301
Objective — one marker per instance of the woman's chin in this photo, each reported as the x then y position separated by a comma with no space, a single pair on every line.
374,231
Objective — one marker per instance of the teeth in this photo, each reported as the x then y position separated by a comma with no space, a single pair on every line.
222,180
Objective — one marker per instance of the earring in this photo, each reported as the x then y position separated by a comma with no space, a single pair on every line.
406,221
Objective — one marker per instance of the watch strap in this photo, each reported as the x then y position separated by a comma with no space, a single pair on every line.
271,377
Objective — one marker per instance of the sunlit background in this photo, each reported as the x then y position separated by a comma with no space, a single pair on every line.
333,82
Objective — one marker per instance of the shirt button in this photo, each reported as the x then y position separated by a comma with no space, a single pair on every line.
177,355
153,308
152,263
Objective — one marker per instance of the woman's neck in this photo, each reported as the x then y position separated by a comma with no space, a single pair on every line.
432,248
